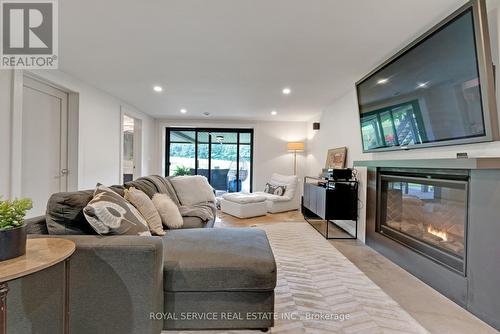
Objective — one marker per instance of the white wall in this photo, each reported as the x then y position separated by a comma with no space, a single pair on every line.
271,155
5,135
99,132
340,127
270,145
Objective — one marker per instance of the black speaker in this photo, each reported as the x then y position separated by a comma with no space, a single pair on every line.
316,126
343,174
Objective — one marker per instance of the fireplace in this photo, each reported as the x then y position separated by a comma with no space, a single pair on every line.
439,220
426,212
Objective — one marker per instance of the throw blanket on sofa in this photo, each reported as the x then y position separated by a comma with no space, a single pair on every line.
204,210
165,187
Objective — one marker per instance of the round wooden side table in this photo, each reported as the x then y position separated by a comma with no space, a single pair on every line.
40,254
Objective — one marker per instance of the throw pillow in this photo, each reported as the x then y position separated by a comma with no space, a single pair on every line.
193,189
110,214
145,205
168,210
275,189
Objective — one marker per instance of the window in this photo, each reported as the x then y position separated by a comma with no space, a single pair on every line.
223,156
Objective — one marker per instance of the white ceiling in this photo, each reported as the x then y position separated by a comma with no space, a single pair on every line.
232,57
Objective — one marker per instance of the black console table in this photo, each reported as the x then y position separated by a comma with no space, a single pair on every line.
327,202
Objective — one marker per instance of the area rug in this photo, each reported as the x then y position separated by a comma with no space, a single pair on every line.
320,291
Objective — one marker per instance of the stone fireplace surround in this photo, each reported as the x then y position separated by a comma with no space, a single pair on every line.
476,288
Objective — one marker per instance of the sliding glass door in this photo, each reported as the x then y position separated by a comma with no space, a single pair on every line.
182,153
223,156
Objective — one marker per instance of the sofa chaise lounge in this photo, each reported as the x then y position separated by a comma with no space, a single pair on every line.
142,284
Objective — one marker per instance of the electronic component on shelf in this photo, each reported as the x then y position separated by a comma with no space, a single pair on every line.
344,174
326,173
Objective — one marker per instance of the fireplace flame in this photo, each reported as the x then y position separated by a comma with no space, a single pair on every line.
438,233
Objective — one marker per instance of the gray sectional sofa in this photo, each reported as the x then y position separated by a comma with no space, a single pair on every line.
197,277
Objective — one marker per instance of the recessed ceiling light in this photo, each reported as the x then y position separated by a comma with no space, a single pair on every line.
382,81
286,91
157,89
274,113
422,84
183,111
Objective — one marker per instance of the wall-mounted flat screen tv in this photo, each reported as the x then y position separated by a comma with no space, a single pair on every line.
436,91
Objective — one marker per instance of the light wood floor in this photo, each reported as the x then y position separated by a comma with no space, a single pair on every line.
436,313
225,220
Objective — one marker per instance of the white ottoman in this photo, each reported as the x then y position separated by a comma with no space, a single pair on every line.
243,205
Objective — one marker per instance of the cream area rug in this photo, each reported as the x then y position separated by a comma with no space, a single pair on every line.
320,291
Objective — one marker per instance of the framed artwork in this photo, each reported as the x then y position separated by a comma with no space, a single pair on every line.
336,158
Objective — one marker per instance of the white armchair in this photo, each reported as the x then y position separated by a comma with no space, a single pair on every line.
289,201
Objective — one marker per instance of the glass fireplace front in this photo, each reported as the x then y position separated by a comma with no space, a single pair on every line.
427,213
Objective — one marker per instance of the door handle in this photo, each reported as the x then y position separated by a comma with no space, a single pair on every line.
63,173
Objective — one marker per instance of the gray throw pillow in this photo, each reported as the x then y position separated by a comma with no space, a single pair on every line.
275,189
110,214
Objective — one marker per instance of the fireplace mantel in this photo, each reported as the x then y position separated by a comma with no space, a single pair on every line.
462,163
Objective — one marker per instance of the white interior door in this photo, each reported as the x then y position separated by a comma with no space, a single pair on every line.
44,143
131,154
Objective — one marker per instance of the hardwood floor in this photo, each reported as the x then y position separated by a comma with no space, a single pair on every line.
225,220
432,310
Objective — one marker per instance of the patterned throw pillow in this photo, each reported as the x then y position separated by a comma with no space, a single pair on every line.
110,214
275,189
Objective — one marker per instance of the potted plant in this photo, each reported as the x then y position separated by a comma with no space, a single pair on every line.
182,170
12,227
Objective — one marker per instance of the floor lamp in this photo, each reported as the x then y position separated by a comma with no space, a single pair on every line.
294,147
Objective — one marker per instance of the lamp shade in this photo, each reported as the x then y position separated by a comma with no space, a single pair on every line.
296,146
